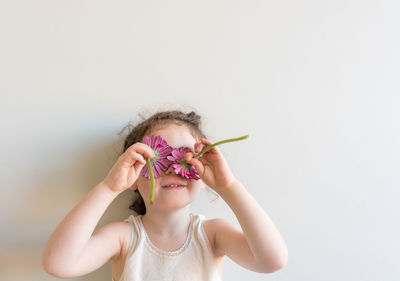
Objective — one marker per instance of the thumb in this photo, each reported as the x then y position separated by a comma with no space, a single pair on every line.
138,166
196,163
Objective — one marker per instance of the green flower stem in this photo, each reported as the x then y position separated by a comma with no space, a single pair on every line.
217,143
153,180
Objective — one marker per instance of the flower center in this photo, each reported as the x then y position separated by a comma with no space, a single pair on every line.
154,160
185,165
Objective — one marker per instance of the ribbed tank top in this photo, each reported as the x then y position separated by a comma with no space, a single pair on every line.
193,261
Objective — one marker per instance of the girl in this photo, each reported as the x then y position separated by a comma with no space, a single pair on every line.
165,241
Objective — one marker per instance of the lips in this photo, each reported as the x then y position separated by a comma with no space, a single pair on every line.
174,185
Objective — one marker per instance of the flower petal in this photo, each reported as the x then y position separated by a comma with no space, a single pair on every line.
162,150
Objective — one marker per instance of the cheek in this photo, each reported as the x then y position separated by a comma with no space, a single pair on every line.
143,185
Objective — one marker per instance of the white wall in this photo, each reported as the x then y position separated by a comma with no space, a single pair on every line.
314,83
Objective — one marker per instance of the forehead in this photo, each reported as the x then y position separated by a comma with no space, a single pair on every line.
176,135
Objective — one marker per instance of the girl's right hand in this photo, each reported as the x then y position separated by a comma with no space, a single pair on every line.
126,169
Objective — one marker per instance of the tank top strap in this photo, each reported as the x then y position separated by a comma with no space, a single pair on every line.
198,229
136,234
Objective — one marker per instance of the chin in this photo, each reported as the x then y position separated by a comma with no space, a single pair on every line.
171,205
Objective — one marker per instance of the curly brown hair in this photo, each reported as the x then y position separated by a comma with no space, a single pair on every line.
136,133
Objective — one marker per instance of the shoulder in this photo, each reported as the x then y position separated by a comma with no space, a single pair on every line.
221,234
122,232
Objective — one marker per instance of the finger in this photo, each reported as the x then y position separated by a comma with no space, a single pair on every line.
138,166
143,149
196,163
202,145
198,146
206,142
189,155
132,157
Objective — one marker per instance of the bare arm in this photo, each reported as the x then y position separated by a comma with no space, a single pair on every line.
73,250
260,247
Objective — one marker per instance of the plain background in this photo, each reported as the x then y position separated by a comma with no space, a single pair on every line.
314,83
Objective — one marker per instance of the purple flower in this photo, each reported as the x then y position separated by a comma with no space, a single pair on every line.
179,164
160,163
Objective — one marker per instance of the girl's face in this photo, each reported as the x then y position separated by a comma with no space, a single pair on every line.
170,199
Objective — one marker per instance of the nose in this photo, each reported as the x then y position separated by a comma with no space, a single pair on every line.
170,171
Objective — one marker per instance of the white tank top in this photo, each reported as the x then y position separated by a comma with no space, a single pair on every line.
193,261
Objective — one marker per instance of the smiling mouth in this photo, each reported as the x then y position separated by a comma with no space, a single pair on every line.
174,186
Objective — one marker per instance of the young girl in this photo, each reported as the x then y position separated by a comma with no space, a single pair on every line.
165,241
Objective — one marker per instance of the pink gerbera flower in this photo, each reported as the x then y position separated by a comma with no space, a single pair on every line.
160,163
179,164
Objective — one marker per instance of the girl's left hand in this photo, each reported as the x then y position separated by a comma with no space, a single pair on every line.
211,166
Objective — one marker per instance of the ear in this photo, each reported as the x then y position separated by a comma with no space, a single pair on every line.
133,186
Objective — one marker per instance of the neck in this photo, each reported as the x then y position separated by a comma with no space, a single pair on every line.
167,223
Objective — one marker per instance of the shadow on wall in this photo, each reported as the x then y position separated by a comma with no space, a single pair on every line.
46,200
